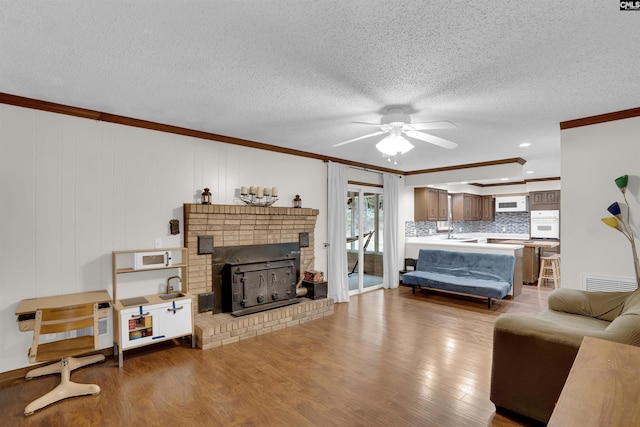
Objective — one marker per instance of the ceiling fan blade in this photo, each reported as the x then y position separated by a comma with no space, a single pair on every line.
440,142
433,125
358,138
366,123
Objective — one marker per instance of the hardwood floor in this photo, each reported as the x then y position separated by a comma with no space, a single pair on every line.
386,358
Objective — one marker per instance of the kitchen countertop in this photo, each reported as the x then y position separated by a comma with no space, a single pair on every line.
534,243
147,300
460,237
459,244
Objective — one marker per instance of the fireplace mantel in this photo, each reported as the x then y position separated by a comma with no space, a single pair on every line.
249,210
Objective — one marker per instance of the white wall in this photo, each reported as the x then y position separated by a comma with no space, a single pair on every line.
592,158
72,190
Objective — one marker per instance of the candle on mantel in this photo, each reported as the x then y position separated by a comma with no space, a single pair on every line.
243,190
274,191
259,192
252,190
266,191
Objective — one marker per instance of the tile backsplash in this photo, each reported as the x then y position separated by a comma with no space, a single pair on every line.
505,222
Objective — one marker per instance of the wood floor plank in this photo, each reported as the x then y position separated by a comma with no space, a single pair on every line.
388,357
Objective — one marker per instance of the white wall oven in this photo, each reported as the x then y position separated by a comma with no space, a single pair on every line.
545,224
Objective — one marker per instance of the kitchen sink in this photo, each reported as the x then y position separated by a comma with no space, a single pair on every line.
171,295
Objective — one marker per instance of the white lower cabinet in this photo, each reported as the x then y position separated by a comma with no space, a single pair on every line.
147,324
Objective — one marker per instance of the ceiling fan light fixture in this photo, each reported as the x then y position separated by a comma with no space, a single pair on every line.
393,145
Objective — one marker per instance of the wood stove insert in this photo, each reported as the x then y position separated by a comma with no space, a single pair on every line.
255,285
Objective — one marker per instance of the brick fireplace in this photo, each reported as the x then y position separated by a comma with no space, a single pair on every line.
234,226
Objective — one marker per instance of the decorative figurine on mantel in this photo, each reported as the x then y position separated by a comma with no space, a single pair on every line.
206,197
297,201
259,196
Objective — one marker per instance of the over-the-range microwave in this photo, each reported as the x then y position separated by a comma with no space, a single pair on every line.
512,204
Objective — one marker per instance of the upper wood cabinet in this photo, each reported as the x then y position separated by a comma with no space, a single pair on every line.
443,205
430,204
488,208
465,207
544,200
471,207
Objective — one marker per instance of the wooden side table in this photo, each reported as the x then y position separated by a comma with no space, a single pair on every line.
602,388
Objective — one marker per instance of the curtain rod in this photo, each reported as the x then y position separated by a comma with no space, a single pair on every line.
365,169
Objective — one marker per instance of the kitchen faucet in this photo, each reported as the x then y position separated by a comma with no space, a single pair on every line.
450,233
169,286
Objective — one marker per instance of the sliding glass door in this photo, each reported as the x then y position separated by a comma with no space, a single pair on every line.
364,237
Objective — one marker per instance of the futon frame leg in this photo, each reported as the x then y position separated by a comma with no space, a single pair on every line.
413,290
489,302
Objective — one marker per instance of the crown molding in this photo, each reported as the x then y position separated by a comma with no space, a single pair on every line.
602,118
36,104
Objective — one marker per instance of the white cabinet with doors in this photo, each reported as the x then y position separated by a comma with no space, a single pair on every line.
146,324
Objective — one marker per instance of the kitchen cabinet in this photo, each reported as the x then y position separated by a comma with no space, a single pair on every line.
430,204
530,265
443,205
544,200
146,316
488,208
531,257
465,207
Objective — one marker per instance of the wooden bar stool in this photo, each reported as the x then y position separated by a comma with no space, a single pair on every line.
550,269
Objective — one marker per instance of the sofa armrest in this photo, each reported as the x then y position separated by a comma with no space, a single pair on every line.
601,305
531,361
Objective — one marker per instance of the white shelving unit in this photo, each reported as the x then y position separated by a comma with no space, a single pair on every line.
145,318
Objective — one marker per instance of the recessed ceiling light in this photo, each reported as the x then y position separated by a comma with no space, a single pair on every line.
464,182
529,171
524,144
504,179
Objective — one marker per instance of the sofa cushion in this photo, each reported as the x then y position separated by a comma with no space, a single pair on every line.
467,284
601,305
618,312
632,303
583,324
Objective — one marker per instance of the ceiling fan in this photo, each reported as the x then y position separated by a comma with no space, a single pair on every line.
398,124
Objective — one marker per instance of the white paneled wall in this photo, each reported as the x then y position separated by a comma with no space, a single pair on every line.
592,158
72,190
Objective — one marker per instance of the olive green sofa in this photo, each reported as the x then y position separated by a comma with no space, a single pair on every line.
532,356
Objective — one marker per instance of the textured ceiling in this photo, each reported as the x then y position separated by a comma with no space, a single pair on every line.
296,73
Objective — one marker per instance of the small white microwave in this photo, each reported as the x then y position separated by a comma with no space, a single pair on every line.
512,204
142,260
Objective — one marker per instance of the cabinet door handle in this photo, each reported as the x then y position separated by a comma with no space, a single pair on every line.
174,309
136,316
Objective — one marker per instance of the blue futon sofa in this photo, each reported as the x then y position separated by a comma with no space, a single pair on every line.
479,274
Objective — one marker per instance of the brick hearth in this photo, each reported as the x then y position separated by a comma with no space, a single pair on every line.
224,328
